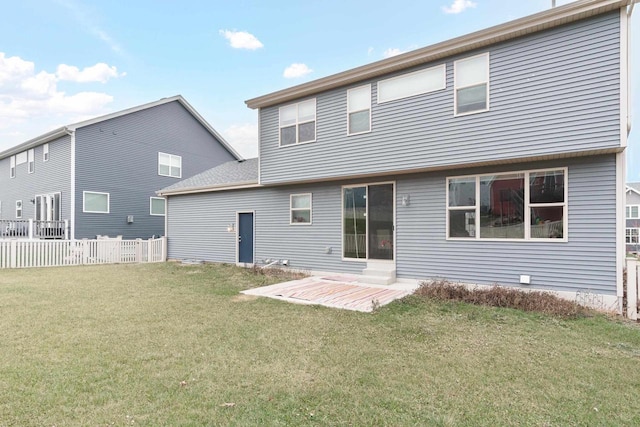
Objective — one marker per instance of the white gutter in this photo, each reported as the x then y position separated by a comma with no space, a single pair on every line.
209,188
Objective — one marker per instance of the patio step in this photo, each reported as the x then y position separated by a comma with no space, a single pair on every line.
378,276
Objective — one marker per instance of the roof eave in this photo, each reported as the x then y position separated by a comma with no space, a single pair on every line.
39,140
209,188
529,24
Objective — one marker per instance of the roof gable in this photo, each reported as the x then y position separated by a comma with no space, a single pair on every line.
69,129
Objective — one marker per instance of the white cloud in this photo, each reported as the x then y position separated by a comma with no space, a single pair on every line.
244,138
241,39
296,70
100,72
458,6
29,96
370,50
392,52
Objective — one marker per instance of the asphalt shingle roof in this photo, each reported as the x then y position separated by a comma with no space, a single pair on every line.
634,185
225,175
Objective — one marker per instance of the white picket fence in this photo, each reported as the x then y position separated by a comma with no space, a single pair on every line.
55,253
632,288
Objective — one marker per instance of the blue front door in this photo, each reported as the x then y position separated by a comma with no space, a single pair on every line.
245,238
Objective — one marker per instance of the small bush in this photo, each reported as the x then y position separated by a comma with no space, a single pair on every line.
499,296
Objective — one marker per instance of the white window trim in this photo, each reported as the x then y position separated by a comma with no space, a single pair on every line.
455,87
21,208
349,112
310,209
628,234
45,153
31,161
12,167
151,199
444,83
84,193
527,208
171,157
298,123
630,210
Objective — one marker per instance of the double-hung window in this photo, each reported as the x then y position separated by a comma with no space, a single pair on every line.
632,211
300,208
157,206
169,165
527,205
298,123
95,202
18,209
12,167
471,77
45,152
359,110
31,160
633,236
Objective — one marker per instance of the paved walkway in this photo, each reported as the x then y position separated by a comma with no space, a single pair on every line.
337,291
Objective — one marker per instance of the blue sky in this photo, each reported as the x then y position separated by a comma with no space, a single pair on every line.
63,61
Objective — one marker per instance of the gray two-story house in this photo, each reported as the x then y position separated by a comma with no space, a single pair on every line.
632,218
492,158
99,177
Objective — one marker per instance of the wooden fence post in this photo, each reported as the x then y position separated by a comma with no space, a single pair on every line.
632,288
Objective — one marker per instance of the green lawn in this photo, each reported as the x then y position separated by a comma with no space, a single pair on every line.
164,344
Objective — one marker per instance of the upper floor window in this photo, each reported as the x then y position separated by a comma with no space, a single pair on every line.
45,152
359,109
18,209
471,76
169,165
12,167
31,160
521,205
632,211
157,206
300,208
95,202
411,84
298,123
633,235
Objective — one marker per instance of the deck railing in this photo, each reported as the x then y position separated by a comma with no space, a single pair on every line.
33,229
17,253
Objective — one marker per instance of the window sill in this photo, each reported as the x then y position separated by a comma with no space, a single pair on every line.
297,143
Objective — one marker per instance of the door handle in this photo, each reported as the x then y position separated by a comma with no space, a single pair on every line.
239,239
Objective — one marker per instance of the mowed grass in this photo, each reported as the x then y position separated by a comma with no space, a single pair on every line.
165,344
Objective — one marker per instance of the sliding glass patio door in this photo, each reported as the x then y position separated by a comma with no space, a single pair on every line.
368,221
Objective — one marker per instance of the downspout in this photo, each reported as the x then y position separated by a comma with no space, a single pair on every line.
72,190
632,3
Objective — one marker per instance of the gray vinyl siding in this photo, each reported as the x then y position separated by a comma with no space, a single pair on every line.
632,199
585,262
120,157
552,92
197,229
48,177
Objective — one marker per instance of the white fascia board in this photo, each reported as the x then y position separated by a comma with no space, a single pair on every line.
209,188
39,140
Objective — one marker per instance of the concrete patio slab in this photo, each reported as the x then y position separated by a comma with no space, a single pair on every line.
336,291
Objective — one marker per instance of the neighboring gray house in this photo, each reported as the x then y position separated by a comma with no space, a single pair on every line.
495,157
632,215
101,175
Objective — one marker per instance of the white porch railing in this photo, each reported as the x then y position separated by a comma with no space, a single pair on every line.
632,288
17,253
32,229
